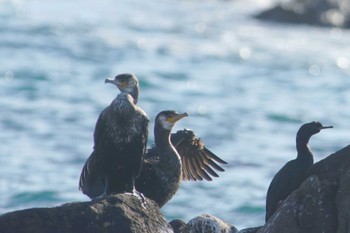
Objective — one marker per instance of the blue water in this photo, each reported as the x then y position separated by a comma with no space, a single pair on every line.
247,86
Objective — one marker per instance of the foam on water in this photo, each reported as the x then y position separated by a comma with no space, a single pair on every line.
247,86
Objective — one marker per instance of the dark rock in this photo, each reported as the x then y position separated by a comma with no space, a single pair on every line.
120,213
342,203
335,13
309,209
177,225
250,230
208,224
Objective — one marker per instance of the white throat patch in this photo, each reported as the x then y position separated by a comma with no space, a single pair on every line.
166,124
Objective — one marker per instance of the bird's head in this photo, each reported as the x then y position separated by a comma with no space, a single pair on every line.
309,129
167,119
127,83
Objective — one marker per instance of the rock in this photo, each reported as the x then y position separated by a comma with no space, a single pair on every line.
120,213
334,13
177,225
308,209
250,230
208,224
342,203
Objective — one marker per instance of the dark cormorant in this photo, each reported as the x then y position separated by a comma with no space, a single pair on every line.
180,156
292,174
120,139
159,181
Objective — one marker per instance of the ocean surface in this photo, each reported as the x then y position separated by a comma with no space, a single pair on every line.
247,86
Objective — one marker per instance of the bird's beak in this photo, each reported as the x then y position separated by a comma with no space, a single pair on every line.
327,127
178,117
107,80
120,85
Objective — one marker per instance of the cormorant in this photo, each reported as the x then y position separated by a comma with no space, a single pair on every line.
292,174
120,140
159,181
179,156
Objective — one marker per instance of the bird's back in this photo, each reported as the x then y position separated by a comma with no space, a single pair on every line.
120,140
286,180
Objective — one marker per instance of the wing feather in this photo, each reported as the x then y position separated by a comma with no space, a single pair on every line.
193,168
91,182
198,162
201,169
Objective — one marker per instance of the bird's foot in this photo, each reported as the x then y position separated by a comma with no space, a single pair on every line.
140,196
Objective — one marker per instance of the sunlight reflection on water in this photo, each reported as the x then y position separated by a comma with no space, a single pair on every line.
247,86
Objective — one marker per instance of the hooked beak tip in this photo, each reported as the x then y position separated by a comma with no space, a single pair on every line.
108,80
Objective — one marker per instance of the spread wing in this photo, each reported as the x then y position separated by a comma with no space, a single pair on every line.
198,162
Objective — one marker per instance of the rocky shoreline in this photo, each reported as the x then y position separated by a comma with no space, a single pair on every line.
321,204
328,13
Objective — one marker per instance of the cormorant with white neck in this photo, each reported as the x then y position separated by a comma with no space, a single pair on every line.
180,156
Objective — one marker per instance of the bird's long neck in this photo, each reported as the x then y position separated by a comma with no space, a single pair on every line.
303,149
168,157
123,103
135,93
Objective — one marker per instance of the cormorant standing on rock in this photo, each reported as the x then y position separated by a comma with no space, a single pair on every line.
161,180
292,174
178,156
120,140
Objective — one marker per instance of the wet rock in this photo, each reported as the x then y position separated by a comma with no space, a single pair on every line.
208,224
120,213
334,13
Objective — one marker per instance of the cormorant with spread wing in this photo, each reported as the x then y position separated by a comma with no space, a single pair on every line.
120,140
175,157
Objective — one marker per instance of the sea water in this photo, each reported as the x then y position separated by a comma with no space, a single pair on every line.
247,86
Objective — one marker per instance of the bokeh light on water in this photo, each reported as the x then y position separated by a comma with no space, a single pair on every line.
247,86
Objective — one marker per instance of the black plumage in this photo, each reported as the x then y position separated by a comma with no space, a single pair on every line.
175,157
292,174
159,181
120,139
